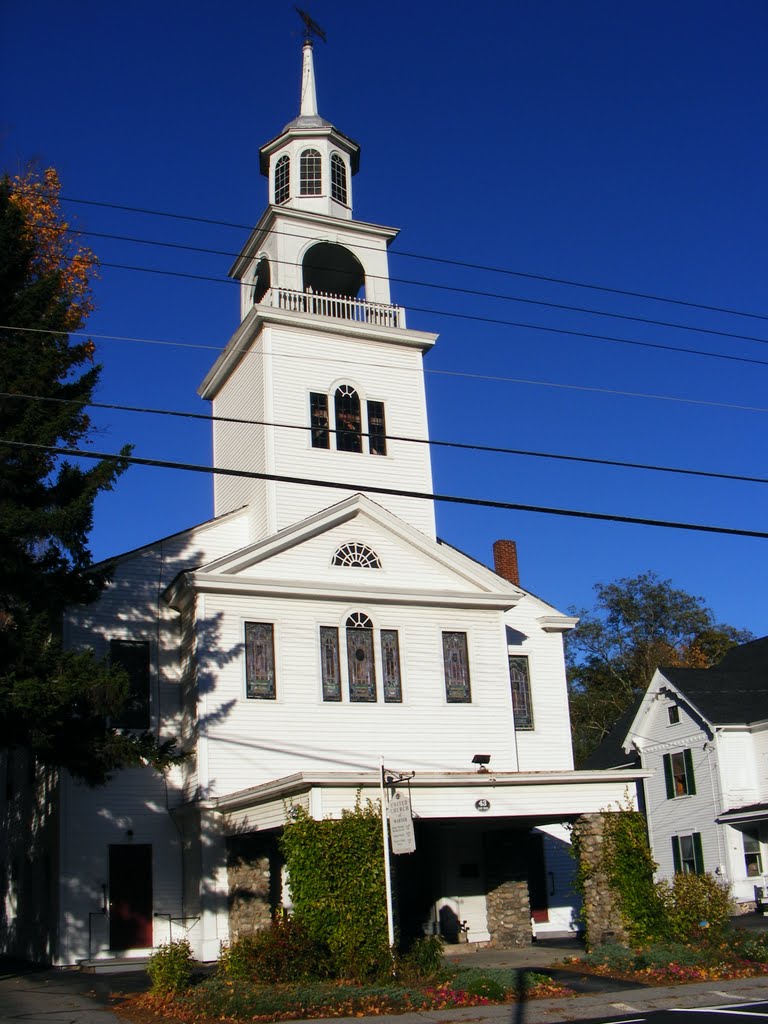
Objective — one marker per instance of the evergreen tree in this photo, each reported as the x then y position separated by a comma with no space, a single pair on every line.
639,624
54,703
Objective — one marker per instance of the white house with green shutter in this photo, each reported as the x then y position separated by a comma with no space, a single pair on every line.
314,627
702,734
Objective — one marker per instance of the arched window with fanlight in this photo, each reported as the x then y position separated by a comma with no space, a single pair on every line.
310,173
349,433
282,180
338,179
360,663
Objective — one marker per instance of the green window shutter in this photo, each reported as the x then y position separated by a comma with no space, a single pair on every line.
689,771
668,776
676,861
698,854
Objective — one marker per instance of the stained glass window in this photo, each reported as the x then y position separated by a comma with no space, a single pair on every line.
390,666
329,662
260,660
338,179
318,415
377,433
520,681
362,672
282,180
310,180
357,556
456,662
133,657
348,431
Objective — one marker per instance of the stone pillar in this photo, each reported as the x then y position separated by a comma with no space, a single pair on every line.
250,864
601,915
508,907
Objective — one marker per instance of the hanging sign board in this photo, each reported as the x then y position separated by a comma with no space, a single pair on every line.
401,822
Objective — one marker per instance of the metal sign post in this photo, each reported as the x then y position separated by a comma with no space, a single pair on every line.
387,869
397,814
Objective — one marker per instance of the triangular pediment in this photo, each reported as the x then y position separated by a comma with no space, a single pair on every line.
316,553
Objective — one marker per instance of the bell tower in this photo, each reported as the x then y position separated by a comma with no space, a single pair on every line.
322,370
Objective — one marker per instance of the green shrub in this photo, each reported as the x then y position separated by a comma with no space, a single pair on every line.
749,946
487,986
697,907
612,955
170,967
663,954
424,959
336,871
283,952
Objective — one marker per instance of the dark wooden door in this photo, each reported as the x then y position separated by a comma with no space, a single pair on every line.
130,896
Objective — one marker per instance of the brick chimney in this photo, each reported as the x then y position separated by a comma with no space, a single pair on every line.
505,561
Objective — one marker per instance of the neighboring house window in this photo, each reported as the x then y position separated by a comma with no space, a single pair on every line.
260,660
329,662
347,416
520,680
678,774
348,427
377,430
360,664
687,856
673,713
282,180
456,665
310,176
753,860
358,556
390,666
318,418
338,179
133,656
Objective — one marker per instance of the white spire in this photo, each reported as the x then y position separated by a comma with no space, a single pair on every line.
308,93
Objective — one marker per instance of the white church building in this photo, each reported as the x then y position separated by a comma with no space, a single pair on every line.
316,626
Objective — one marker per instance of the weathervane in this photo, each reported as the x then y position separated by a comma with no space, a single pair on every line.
311,28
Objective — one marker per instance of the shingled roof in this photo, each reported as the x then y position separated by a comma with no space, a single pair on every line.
733,692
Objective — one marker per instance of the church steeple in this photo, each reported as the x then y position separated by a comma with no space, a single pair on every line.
310,163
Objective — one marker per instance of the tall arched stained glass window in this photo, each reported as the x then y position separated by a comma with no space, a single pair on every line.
282,180
338,179
361,668
348,428
310,173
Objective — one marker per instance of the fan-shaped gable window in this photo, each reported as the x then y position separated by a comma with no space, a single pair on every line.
338,179
282,180
310,173
358,556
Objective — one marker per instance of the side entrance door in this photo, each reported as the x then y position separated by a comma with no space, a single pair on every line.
130,896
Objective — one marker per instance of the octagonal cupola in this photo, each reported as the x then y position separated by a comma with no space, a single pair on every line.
310,163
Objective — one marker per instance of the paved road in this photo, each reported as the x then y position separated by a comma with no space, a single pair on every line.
30,996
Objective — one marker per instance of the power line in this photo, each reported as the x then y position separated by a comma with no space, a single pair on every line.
392,491
443,260
495,378
479,319
440,287
459,445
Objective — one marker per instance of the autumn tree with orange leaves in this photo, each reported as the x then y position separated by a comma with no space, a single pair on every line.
54,704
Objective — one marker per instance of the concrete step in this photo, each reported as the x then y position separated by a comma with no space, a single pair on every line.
114,965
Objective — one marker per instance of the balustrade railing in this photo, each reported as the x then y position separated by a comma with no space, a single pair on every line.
380,314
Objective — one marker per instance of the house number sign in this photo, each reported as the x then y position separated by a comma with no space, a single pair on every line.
482,805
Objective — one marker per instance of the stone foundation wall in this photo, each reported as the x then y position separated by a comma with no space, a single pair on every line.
508,907
251,871
602,919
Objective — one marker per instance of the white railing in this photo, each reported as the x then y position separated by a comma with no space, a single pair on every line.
380,314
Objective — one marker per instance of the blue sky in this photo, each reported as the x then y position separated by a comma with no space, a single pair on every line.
613,144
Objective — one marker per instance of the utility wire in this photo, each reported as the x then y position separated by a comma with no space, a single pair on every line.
459,445
478,319
439,287
495,378
437,259
393,491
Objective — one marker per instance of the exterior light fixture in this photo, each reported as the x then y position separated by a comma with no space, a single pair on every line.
481,760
